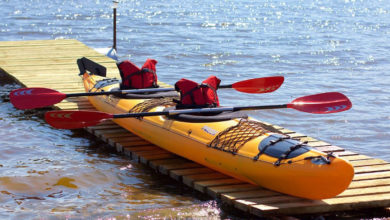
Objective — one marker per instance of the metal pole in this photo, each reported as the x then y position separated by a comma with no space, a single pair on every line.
114,29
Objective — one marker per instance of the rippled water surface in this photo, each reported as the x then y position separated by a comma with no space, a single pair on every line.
318,46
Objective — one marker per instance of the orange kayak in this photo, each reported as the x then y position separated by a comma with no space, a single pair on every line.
236,145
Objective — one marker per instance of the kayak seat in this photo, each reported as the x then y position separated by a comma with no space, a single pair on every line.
87,65
150,95
209,117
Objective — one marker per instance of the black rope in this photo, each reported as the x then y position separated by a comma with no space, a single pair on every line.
268,145
287,153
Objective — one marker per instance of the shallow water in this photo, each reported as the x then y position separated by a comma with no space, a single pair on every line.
318,46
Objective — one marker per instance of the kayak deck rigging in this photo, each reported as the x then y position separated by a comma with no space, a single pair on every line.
234,137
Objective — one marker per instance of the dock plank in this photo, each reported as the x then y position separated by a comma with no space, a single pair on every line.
321,206
156,164
167,169
202,186
178,174
217,191
190,179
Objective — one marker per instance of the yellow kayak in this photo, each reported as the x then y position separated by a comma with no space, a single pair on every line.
238,146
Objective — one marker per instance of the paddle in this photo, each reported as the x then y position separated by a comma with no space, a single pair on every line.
29,98
323,103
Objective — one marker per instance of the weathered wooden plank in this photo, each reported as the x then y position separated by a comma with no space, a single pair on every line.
372,175
327,148
51,85
368,162
81,108
284,130
146,159
28,61
83,100
62,81
49,46
201,186
103,127
113,141
72,105
119,134
35,52
106,136
374,168
23,74
370,183
75,107
296,135
128,151
245,204
308,139
142,148
178,174
75,101
34,71
104,123
168,168
190,179
355,157
318,144
148,152
71,72
133,143
217,191
365,191
259,193
345,153
156,164
276,127
61,87
322,206
100,133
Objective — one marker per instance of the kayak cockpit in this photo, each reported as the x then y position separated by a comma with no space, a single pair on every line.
201,118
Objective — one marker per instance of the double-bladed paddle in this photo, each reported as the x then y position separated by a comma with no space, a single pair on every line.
324,103
29,98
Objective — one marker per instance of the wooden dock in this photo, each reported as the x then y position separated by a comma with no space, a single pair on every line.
52,64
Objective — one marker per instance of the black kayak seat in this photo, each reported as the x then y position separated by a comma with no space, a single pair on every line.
151,95
209,117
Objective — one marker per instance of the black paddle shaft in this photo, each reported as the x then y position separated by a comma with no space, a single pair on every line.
135,91
119,92
199,110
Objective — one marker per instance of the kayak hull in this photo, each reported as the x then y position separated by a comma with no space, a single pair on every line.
299,176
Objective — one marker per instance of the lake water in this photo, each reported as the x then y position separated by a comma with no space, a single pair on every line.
318,46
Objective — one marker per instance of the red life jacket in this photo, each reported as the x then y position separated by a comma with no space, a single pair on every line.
193,95
136,78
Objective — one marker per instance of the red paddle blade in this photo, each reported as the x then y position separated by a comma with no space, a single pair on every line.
324,103
75,119
29,98
259,85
